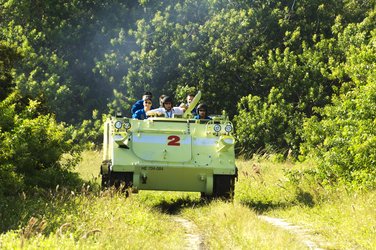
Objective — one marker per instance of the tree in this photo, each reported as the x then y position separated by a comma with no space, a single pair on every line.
342,136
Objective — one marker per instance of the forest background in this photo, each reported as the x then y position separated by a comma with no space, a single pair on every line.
297,78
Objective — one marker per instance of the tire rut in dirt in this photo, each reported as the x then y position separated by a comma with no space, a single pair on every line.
301,233
194,240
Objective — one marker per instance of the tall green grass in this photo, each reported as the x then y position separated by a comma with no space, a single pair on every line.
338,218
93,219
348,221
90,166
88,219
234,226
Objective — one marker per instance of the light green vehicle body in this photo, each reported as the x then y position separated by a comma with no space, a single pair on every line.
171,154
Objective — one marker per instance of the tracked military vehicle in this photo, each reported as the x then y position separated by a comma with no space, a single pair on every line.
171,154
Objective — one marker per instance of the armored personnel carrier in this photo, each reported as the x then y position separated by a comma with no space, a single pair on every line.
171,154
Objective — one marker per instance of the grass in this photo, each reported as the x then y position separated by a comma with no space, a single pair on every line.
233,226
348,221
90,166
93,219
88,219
337,218
223,225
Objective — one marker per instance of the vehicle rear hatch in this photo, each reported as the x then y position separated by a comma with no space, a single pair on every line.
162,141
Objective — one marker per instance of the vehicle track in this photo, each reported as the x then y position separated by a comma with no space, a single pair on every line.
301,233
193,239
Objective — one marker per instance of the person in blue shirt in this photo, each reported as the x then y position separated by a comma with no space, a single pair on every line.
141,113
202,111
140,103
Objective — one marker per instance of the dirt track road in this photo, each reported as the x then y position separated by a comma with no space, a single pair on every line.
195,241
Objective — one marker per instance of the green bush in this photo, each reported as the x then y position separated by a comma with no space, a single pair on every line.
10,181
266,126
342,136
32,145
344,141
89,134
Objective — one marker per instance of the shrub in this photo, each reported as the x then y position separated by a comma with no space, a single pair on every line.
344,141
32,145
342,136
269,125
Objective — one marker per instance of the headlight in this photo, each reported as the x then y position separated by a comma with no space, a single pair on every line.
217,128
228,128
127,125
118,124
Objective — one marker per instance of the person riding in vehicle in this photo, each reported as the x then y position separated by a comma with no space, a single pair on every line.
141,113
202,112
139,104
168,110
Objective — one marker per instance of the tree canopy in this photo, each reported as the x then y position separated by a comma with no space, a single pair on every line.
294,76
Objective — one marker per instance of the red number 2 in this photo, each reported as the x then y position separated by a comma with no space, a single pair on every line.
174,140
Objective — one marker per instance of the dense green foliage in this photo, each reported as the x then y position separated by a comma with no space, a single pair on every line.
32,144
295,76
344,138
